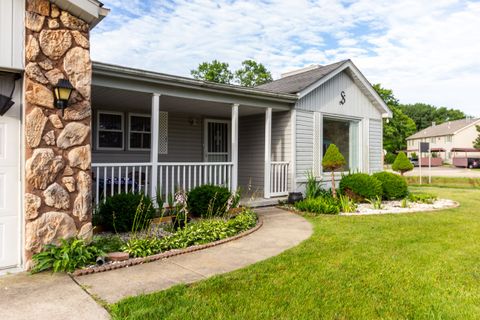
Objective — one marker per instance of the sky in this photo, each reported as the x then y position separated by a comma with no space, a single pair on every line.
424,50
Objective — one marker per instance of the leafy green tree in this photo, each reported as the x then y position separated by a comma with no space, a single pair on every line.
399,127
333,160
402,164
476,143
252,74
214,71
424,114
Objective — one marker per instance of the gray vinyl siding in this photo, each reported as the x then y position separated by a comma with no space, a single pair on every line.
304,142
185,143
281,136
375,145
251,153
326,99
12,14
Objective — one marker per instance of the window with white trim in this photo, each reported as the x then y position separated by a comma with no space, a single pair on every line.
139,134
110,130
345,135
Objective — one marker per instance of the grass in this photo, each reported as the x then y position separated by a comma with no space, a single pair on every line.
446,182
409,266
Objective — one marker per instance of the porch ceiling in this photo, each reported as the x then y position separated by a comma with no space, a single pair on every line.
104,98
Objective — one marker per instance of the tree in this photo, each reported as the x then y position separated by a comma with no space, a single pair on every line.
252,74
424,114
402,164
333,160
476,143
214,71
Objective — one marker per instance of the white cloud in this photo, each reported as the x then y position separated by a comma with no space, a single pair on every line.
425,51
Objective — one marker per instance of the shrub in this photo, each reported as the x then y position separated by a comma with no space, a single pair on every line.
333,160
208,201
69,255
390,158
109,243
422,197
394,186
360,186
401,163
119,212
313,188
321,205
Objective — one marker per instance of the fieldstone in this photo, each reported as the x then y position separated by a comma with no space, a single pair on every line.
32,48
75,97
80,39
40,95
33,71
39,6
55,120
78,68
53,24
49,228
83,203
54,75
68,171
73,134
86,232
72,22
46,64
56,196
117,256
34,125
55,12
55,43
32,204
49,138
78,111
69,183
42,168
34,21
80,157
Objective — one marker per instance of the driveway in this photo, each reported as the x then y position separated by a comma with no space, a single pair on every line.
446,172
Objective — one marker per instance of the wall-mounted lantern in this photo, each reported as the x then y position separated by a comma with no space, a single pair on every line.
63,91
6,101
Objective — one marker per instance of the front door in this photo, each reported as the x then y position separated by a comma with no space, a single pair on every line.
10,147
216,141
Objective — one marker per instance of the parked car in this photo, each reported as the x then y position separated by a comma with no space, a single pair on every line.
414,161
473,163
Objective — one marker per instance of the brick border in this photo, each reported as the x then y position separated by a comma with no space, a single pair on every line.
164,255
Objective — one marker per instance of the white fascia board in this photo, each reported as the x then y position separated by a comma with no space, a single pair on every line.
386,112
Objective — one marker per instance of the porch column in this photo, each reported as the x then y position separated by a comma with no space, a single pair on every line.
268,152
155,120
234,182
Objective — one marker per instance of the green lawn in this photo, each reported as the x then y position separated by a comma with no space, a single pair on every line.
410,266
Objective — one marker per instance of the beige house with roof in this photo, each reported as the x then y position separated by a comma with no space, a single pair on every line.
452,139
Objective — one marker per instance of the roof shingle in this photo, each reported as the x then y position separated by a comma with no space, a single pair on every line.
447,128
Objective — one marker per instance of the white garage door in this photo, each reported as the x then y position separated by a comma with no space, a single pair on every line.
9,183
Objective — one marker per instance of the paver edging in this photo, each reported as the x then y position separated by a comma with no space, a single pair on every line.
164,255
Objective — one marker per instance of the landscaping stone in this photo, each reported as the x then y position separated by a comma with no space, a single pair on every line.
73,134
86,232
396,207
56,196
42,168
32,204
54,43
34,125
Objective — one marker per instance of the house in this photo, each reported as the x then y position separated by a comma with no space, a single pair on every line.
128,129
451,141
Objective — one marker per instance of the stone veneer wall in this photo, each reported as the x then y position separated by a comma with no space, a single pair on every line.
58,201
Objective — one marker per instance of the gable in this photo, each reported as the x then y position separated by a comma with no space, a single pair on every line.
326,99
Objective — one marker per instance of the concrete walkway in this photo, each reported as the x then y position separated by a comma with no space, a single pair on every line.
59,297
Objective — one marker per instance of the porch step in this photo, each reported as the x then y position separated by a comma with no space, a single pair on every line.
261,202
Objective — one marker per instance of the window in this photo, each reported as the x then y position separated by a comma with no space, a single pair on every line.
448,139
139,134
345,135
433,140
110,130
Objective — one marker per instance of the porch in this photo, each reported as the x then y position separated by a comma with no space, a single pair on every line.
170,139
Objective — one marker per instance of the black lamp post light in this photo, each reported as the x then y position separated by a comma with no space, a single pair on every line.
63,91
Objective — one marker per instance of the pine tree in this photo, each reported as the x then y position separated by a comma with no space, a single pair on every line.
476,143
401,163
333,160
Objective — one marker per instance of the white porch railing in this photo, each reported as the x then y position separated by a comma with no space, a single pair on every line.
113,178
279,178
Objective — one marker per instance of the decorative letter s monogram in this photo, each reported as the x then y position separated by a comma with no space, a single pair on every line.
342,94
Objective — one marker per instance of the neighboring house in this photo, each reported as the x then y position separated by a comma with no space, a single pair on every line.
129,129
449,140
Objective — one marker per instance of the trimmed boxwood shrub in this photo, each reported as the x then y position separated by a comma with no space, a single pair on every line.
361,186
117,212
208,201
394,186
